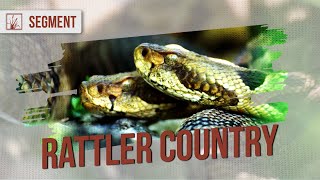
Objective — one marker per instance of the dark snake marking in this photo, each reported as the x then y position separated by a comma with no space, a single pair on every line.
193,80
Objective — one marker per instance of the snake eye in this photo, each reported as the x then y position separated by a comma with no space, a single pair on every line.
171,57
128,85
144,52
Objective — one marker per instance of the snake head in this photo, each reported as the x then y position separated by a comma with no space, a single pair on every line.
149,56
99,94
111,95
162,66
123,94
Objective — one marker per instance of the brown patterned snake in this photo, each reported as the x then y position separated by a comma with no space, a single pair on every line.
128,95
173,82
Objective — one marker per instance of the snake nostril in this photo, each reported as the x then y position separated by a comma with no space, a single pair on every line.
100,88
144,52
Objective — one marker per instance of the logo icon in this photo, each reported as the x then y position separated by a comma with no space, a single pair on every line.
14,21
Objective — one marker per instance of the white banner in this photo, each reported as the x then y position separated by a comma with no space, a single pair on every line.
40,21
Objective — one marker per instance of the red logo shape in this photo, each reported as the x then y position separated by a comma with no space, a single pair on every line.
14,21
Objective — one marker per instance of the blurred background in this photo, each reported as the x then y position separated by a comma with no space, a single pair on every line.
296,153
